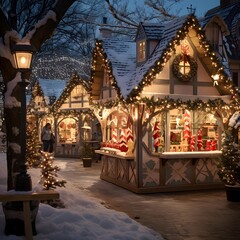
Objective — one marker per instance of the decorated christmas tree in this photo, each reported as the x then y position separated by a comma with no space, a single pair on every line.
49,179
49,172
229,166
33,145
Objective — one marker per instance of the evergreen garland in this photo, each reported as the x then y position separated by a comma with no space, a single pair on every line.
176,67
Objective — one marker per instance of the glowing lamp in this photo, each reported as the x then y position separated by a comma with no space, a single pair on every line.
23,56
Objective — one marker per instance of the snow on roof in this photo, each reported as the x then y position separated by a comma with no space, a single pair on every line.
223,12
169,32
153,30
52,87
122,55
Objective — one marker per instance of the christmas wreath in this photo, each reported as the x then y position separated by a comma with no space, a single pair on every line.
176,67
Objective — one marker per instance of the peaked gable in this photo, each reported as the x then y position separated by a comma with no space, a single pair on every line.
132,80
231,17
175,32
149,31
118,59
75,80
37,96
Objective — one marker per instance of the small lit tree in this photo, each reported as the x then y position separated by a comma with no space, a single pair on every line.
229,166
49,179
49,173
33,155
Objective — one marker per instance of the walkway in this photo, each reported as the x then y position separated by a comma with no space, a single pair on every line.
196,215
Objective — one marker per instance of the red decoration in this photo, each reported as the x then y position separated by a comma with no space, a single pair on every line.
186,131
192,143
156,136
114,135
199,140
123,142
208,145
214,145
62,125
129,134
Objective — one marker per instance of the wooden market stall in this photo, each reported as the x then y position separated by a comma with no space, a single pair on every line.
74,121
162,102
69,114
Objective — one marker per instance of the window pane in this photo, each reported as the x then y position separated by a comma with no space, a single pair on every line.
193,131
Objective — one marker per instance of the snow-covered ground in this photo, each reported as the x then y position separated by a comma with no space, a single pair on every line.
83,217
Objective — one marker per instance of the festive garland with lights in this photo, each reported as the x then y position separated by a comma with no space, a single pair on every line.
75,80
191,23
167,103
176,67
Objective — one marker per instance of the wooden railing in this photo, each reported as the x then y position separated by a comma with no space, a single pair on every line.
26,197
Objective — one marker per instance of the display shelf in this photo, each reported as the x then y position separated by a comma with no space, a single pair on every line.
114,153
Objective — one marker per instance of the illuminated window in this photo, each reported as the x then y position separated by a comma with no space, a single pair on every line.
187,131
141,51
184,67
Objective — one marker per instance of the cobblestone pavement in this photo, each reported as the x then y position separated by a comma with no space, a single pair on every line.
195,215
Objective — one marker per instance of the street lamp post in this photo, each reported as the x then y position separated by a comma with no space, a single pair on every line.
23,59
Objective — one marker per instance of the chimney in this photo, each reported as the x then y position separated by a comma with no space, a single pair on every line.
225,3
105,31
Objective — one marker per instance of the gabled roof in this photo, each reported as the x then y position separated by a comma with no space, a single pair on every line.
227,14
151,31
119,57
131,80
36,91
223,12
52,87
75,80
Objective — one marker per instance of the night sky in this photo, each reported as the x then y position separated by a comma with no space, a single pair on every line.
201,6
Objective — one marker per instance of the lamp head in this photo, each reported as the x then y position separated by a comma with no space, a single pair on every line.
23,56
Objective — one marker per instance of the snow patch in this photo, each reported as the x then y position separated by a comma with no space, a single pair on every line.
50,15
10,101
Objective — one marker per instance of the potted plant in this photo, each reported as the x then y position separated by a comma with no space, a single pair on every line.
229,165
87,154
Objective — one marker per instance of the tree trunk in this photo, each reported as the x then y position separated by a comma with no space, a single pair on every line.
12,92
